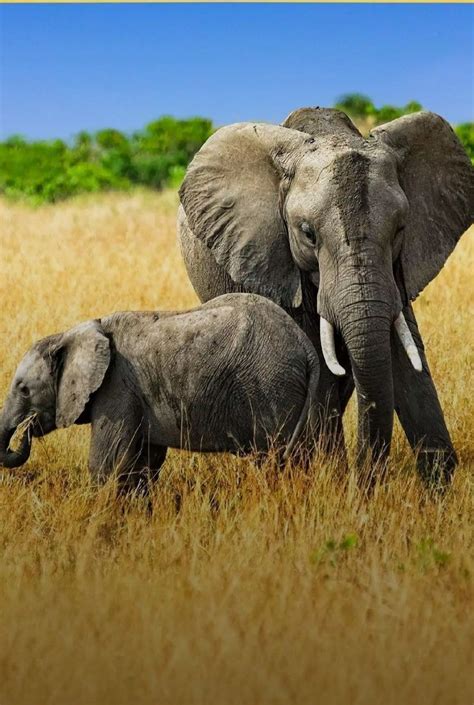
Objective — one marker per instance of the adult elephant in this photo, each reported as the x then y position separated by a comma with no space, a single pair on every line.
343,232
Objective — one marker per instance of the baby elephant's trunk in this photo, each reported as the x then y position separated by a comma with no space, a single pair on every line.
13,458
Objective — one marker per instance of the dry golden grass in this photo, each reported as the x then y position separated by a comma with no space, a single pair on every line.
243,586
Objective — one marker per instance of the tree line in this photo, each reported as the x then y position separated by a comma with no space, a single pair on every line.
155,157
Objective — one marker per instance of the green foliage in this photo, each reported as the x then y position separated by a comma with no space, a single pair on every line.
413,107
465,132
429,555
155,157
162,151
111,139
153,169
356,105
49,171
364,113
361,108
176,176
333,550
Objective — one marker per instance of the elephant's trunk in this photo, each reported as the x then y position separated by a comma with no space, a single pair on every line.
13,458
368,345
328,345
364,315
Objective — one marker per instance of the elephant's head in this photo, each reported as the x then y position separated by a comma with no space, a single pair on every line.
370,222
52,386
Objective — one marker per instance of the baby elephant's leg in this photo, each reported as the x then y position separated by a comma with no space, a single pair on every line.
117,440
144,472
120,444
115,447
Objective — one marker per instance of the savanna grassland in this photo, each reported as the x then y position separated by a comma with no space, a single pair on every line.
243,586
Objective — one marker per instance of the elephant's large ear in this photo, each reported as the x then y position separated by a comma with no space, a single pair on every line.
83,357
231,197
438,180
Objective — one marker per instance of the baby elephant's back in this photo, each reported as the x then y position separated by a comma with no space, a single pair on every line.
236,372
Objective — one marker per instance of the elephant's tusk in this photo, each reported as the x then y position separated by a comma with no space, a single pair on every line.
408,343
329,348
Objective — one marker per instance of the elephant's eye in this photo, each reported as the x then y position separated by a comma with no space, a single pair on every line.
309,232
23,389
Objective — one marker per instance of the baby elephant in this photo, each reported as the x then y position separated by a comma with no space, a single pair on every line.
234,374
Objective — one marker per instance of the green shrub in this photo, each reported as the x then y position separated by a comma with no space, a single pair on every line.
27,168
176,176
413,107
387,113
111,139
109,159
356,105
361,108
152,170
364,113
181,138
155,157
119,162
465,132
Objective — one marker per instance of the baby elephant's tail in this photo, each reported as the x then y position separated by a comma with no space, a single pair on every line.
313,379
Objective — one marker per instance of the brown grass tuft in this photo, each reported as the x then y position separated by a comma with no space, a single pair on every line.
244,586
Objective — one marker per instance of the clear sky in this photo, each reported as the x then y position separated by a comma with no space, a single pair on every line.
70,67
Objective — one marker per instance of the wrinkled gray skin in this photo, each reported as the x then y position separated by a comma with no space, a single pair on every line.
325,222
231,375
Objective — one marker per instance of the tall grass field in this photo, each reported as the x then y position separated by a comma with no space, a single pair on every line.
243,585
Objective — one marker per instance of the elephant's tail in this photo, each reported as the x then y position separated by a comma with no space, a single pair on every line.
313,379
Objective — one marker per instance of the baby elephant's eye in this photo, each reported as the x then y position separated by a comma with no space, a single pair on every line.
23,389
309,232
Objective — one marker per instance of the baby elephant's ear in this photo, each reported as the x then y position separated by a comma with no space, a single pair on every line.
84,357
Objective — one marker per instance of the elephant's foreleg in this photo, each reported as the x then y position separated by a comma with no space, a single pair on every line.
333,395
419,410
327,427
117,439
115,448
146,469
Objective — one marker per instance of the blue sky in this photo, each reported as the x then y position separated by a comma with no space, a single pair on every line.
70,67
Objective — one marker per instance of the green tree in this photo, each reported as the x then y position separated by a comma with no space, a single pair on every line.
465,132
387,113
361,108
82,147
109,159
356,105
157,156
111,139
412,107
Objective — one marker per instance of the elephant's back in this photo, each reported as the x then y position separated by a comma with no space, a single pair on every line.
234,370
